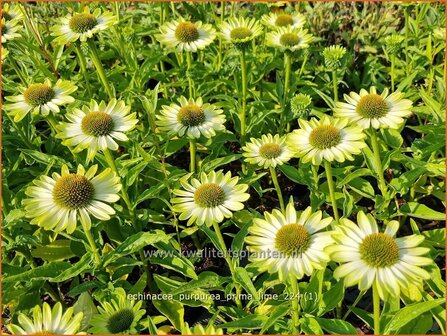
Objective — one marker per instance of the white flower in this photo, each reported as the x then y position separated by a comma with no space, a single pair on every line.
56,202
269,151
275,20
211,199
192,118
368,256
81,26
326,139
9,30
97,126
289,39
288,244
40,98
368,109
185,35
240,31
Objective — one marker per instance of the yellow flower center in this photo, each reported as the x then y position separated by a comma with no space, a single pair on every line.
97,124
38,94
186,32
372,106
289,39
325,136
270,150
83,22
191,115
120,321
240,33
209,195
283,20
73,191
379,250
292,239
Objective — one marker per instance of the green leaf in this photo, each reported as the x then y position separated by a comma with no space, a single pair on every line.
363,315
176,263
213,164
44,272
242,277
85,305
81,266
356,173
363,187
247,322
310,326
315,286
422,211
135,243
205,280
418,326
410,312
57,250
276,314
331,298
335,326
238,240
392,137
173,310
405,181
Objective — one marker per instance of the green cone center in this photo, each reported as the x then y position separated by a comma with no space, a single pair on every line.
283,20
379,250
38,94
270,150
372,106
97,124
120,321
325,136
240,33
73,191
209,195
191,115
186,32
289,39
83,22
292,239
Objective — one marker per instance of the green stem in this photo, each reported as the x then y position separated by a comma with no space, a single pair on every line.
335,85
92,244
357,300
393,60
330,182
97,62
295,305
287,68
52,122
378,161
376,305
277,187
190,81
243,113
192,155
125,196
228,260
83,65
407,64
306,55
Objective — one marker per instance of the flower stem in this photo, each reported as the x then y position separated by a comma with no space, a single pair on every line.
92,244
111,163
335,85
376,305
190,81
407,63
243,112
97,62
277,187
330,182
83,66
228,260
393,60
287,69
379,167
192,155
295,305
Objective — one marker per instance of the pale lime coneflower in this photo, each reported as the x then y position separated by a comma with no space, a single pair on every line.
40,98
118,315
47,321
9,30
370,258
269,152
97,126
290,245
282,19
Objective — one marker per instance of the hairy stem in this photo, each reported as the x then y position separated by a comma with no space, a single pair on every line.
295,305
330,182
